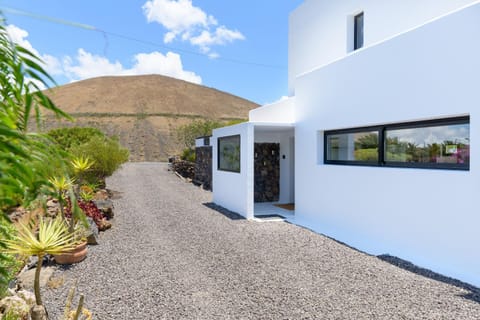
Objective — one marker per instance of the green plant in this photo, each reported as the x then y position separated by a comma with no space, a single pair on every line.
188,154
53,238
80,167
24,158
70,137
61,185
86,196
81,164
187,134
77,215
10,265
106,153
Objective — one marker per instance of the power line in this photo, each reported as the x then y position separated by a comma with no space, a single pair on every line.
129,38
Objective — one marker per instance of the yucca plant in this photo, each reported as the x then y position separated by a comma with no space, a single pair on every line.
61,185
53,238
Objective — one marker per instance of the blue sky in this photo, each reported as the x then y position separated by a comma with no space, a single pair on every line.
239,47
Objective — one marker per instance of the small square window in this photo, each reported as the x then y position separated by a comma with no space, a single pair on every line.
358,31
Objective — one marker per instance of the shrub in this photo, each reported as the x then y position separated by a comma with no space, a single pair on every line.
24,158
71,137
186,134
188,154
9,264
106,153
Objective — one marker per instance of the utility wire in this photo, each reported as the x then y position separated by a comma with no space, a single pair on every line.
129,38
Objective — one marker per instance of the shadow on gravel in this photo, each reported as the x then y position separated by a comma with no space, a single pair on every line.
227,213
474,294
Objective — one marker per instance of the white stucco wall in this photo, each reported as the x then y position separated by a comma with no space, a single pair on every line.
322,30
279,112
429,217
232,190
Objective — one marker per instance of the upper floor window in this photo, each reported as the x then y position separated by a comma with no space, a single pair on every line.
358,31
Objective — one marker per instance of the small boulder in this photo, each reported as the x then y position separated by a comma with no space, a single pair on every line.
53,207
28,296
106,207
15,307
101,195
25,279
104,225
92,234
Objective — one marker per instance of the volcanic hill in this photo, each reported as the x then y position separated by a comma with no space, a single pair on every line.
143,111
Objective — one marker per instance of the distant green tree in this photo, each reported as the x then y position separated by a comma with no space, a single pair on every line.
186,134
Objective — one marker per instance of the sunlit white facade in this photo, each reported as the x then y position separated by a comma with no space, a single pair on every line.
375,138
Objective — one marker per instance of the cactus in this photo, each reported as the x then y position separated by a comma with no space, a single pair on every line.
70,314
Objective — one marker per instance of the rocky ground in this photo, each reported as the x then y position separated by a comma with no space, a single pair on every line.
172,255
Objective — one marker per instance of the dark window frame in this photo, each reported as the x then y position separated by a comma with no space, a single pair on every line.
381,129
239,155
356,43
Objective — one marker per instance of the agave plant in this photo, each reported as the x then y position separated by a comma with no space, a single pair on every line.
81,165
53,238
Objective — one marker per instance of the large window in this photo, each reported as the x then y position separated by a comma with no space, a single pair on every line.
229,153
438,144
358,31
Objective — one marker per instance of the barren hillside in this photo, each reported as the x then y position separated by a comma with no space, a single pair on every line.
144,111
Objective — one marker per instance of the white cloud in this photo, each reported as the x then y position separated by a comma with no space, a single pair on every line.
190,23
221,36
169,64
51,64
87,65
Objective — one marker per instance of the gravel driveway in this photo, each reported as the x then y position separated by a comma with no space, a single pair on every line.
170,256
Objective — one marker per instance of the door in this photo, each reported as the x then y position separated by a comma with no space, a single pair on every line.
267,172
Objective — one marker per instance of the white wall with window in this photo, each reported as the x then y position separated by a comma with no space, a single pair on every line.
396,120
232,168
331,27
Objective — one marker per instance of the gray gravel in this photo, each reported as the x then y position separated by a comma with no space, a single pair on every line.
170,256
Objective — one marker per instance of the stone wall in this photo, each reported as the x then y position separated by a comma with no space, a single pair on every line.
267,172
203,167
184,168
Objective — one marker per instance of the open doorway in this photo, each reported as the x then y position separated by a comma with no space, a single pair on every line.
274,171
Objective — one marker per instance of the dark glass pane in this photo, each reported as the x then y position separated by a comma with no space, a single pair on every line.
359,146
358,31
229,153
436,144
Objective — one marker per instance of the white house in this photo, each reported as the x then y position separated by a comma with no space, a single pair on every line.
373,145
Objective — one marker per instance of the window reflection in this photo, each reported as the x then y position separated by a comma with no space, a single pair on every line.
359,146
437,144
